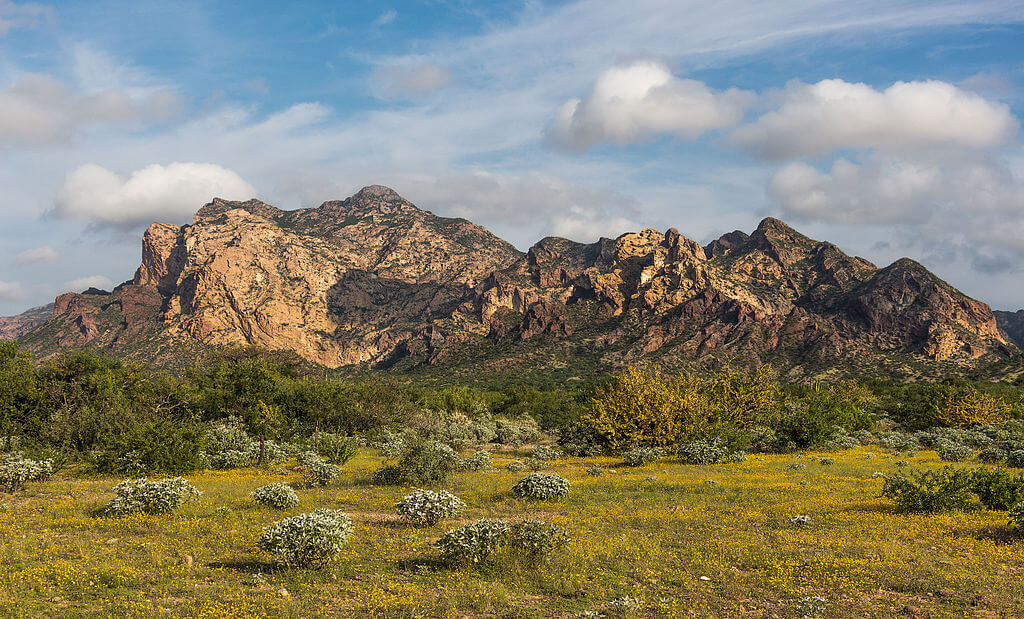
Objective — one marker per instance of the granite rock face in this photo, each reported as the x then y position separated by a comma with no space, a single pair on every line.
374,281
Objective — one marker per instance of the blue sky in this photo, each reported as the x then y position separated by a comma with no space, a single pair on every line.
889,128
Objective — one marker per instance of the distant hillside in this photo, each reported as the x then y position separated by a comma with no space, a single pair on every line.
1012,323
372,282
13,327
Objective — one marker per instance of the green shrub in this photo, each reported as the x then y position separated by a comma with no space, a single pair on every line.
428,507
516,466
998,489
1017,515
931,491
953,452
536,541
424,461
827,461
595,470
1015,459
580,441
703,451
335,448
536,464
541,486
479,461
474,543
320,474
135,496
992,455
278,496
16,471
546,452
639,456
311,540
388,476
516,432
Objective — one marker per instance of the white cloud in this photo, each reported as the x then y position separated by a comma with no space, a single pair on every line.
91,281
385,18
632,102
38,109
536,204
832,115
974,204
11,291
22,15
43,254
411,78
154,193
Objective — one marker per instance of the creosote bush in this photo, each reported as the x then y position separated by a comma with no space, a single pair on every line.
479,461
135,496
312,539
541,486
428,507
278,496
473,543
536,541
16,471
932,491
335,448
703,451
639,456
997,488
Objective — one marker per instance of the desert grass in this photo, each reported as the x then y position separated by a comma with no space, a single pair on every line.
665,539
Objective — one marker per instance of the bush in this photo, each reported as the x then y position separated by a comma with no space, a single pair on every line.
516,466
703,451
864,437
427,507
15,472
479,461
931,491
541,486
536,464
1015,459
953,452
899,442
474,543
639,456
992,455
320,473
388,476
424,461
536,541
998,489
278,496
516,432
546,452
827,461
580,441
308,540
595,470
335,448
1017,515
842,443
141,496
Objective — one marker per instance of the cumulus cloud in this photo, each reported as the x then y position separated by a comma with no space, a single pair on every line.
11,291
43,254
411,79
91,281
38,109
22,15
155,193
976,205
832,115
543,203
632,102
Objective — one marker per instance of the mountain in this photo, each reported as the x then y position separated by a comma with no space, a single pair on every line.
13,327
374,282
1012,323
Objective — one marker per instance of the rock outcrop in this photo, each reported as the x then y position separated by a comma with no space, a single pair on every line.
374,281
13,327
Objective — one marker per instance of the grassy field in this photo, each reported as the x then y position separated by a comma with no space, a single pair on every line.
665,539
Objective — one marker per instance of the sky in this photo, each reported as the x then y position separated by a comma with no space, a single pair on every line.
890,128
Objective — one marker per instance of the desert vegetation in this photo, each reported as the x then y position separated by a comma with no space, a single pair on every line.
250,487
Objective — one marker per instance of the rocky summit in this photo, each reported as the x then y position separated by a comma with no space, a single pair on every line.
373,282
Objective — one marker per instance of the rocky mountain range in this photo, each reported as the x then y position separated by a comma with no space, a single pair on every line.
373,282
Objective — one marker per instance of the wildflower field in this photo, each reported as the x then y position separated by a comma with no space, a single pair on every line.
660,539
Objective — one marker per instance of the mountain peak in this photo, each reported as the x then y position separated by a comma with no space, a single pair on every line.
369,199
